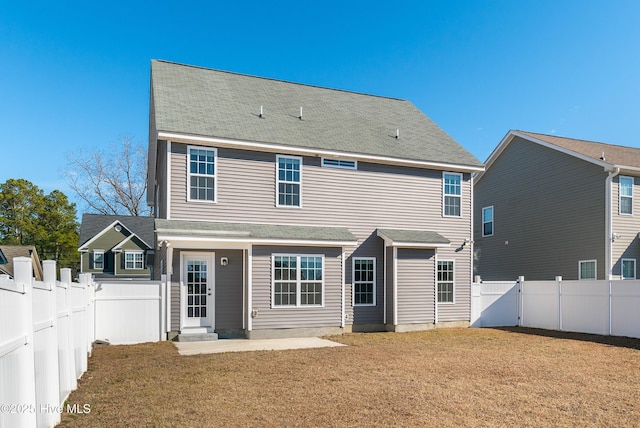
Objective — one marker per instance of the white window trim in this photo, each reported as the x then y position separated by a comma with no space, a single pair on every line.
444,173
453,268
94,259
595,271
354,167
278,157
620,196
214,176
134,260
298,305
493,224
635,267
353,280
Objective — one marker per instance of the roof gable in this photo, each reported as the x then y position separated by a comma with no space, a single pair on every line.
608,156
12,251
210,103
95,225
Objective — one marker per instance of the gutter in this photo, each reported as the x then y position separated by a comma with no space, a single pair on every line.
608,257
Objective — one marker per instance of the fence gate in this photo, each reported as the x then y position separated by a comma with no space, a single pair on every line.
495,304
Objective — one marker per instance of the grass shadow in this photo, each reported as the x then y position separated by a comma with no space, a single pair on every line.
618,341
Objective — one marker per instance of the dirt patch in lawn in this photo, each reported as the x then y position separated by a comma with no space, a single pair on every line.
448,377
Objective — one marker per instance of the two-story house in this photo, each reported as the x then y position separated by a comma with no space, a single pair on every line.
550,206
285,209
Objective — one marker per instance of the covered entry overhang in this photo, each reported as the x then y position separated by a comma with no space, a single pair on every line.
407,240
412,238
199,237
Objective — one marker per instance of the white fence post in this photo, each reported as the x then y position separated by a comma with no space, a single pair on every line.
163,306
46,347
559,282
19,367
520,301
66,363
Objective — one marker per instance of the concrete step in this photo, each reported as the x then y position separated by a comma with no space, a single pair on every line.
197,337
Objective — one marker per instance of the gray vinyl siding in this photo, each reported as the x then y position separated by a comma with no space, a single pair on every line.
176,277
550,209
389,285
228,287
373,196
626,226
373,246
415,288
161,179
299,317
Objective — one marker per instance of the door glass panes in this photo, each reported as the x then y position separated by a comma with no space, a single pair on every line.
196,289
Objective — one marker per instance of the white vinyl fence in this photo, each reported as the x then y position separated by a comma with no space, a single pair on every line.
128,312
597,307
44,343
47,330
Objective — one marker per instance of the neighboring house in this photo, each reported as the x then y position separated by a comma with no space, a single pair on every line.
9,252
550,206
286,209
114,246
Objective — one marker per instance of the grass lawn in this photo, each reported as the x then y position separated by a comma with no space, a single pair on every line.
448,377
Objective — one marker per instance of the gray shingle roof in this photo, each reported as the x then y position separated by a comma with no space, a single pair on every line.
251,231
212,103
93,224
413,236
616,155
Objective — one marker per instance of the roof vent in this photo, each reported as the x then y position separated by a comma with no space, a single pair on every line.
602,156
300,117
261,115
397,134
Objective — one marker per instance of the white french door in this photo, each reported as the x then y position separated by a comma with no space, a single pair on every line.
197,289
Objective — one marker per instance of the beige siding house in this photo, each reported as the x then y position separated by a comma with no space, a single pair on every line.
285,209
550,206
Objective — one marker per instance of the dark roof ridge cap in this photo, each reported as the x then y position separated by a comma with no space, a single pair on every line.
280,80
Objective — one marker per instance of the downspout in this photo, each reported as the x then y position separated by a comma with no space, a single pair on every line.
342,297
608,257
384,287
472,239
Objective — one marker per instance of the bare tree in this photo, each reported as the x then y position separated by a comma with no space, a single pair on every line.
112,182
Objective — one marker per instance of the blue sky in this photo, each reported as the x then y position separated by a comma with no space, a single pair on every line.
75,75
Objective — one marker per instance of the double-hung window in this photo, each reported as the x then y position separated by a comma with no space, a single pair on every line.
587,269
298,280
445,281
364,281
288,181
98,259
487,221
201,180
133,260
626,195
628,268
451,186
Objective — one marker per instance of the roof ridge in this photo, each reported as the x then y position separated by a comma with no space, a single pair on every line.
578,139
279,80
